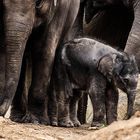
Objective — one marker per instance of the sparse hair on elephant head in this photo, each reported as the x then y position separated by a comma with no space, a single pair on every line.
119,67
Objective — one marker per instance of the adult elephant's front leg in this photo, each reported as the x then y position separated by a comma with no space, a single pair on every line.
54,33
18,21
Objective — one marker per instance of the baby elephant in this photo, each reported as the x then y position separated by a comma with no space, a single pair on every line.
88,65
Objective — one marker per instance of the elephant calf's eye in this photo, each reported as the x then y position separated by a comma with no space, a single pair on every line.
126,81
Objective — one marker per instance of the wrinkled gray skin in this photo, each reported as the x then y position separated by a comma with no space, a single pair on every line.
20,17
133,41
88,65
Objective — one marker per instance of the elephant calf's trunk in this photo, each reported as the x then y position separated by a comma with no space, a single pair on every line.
131,98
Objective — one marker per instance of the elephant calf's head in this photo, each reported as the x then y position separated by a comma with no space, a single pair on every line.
123,71
121,68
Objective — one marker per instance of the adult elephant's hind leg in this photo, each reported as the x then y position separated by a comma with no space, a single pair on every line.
36,102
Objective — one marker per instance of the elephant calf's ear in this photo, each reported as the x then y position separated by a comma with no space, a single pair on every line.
105,66
118,63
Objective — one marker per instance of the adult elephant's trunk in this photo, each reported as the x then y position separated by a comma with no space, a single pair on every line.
18,19
133,42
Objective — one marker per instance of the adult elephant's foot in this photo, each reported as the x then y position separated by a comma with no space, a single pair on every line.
30,118
65,122
35,119
43,120
16,115
4,107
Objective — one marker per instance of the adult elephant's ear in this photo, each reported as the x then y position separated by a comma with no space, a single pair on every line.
109,65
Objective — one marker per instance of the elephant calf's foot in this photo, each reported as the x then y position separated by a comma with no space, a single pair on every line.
65,122
53,121
127,116
43,120
98,124
76,123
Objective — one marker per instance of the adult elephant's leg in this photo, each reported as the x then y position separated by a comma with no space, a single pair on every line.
133,42
52,103
35,111
18,21
77,28
20,101
2,51
53,35
111,103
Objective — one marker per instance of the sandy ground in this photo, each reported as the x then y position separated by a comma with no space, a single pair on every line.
14,131
120,130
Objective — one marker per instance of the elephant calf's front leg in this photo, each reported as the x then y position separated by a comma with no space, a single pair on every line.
111,103
97,96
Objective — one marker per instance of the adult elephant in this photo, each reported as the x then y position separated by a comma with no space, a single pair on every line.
20,18
133,41
115,22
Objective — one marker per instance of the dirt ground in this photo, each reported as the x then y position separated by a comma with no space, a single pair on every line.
14,131
120,130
